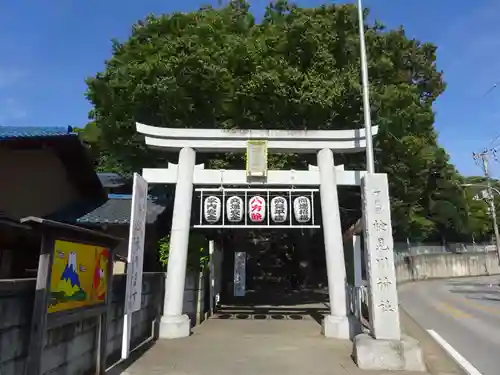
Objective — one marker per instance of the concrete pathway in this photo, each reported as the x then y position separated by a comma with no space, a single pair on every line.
251,347
464,312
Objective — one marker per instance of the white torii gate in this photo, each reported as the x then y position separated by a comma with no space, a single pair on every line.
384,314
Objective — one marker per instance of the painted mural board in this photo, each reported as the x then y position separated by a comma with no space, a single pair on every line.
79,276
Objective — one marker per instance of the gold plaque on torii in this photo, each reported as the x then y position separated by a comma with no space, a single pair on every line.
256,163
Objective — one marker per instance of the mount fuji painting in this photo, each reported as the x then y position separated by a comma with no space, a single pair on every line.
68,288
78,277
71,281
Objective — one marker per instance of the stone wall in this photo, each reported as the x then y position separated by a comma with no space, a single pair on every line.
196,296
446,265
71,349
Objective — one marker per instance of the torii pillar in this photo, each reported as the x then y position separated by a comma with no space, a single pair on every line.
173,323
338,324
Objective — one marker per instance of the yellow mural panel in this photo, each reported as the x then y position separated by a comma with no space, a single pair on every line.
79,276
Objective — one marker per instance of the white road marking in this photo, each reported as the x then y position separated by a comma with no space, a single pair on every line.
466,365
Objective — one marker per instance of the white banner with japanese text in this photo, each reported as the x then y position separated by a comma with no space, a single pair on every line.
135,257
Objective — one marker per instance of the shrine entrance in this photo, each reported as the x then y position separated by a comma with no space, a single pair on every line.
257,198
271,274
267,233
276,263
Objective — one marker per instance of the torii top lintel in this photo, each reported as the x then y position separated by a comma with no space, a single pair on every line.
235,140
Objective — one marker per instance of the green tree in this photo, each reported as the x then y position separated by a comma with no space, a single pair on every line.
296,69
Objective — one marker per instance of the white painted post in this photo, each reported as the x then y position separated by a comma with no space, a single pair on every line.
379,250
358,273
358,268
337,323
217,262
211,268
200,298
173,323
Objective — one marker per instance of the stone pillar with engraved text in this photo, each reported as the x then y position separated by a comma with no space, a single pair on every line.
379,248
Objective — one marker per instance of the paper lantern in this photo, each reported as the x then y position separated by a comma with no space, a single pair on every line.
234,209
302,209
212,209
279,209
257,209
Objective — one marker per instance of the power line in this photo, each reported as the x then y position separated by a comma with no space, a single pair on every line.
492,143
483,157
492,88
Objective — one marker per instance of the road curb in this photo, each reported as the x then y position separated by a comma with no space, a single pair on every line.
437,360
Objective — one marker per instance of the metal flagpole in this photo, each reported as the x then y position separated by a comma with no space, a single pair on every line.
370,163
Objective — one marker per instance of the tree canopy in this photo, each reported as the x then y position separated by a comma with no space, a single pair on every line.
297,68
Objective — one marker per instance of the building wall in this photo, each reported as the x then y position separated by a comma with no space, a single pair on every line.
71,349
447,265
37,184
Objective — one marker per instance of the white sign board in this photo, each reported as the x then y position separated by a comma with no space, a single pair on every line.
135,258
240,258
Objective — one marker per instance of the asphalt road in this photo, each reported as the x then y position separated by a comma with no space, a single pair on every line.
465,312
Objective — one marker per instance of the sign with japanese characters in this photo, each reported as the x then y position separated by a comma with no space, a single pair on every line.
279,209
256,158
136,245
257,209
302,209
234,209
379,247
212,209
239,273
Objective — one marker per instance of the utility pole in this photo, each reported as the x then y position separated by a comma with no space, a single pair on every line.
370,160
483,158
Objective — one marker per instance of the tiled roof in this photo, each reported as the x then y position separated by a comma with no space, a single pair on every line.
17,132
111,180
117,211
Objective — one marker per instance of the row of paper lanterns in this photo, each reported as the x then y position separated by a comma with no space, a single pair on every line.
256,209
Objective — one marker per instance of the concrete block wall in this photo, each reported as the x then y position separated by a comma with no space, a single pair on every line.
195,304
16,306
446,265
142,320
71,349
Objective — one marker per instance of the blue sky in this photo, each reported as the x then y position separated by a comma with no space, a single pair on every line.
49,47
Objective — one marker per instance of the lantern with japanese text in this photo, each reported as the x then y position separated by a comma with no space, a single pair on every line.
257,209
302,209
234,209
212,209
279,209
